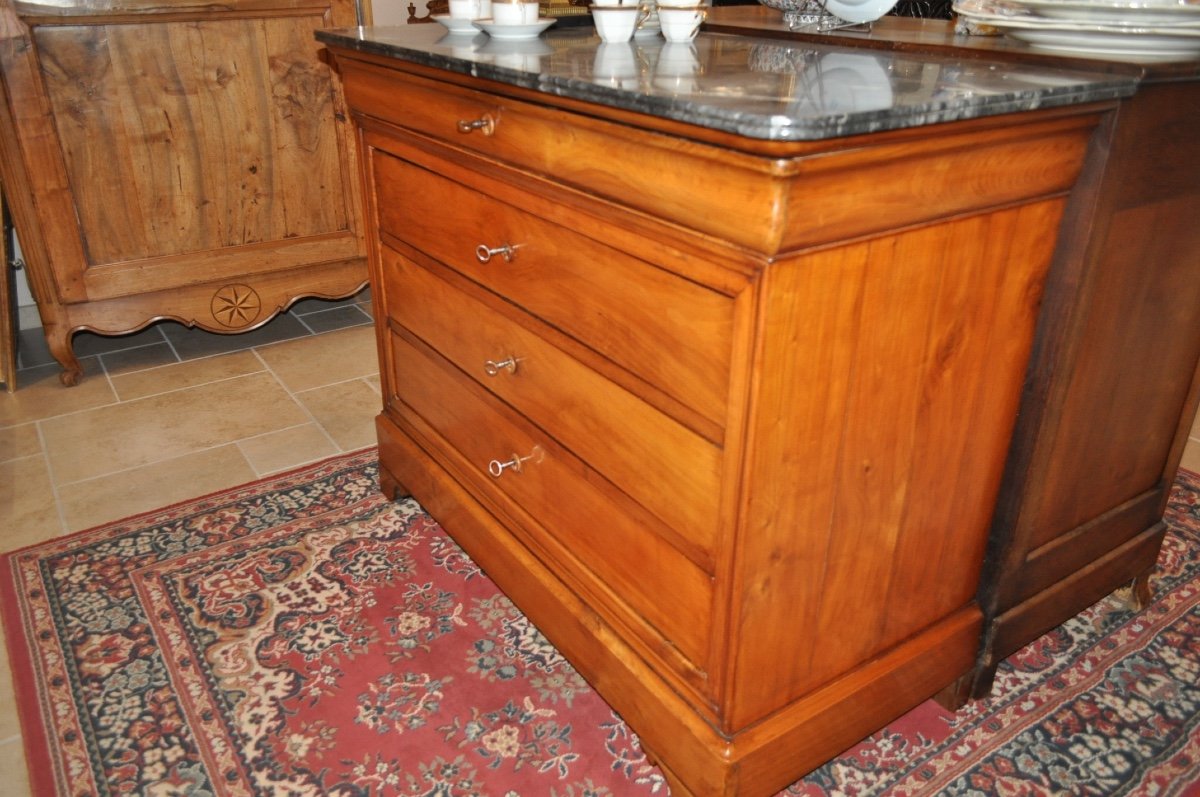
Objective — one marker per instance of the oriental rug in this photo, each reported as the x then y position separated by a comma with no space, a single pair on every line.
303,636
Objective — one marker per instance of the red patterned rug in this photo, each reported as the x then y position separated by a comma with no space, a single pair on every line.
302,636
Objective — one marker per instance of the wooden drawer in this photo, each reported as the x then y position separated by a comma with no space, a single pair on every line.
669,331
670,470
592,532
715,190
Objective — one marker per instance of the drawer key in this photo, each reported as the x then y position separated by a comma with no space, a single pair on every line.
497,468
486,253
485,124
493,368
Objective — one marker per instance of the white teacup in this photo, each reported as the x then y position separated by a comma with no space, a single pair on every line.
465,9
617,23
680,3
509,13
680,24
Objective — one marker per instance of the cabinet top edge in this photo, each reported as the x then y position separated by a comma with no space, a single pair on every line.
756,87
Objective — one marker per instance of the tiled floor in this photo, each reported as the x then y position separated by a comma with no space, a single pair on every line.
1191,451
169,414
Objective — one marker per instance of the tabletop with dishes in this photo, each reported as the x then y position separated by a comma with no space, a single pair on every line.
1144,31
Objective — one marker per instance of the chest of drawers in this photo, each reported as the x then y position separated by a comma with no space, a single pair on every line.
725,417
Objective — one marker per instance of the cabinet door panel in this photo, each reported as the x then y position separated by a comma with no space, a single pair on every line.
160,157
190,136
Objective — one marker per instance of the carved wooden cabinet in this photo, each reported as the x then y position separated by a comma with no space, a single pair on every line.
735,458
176,160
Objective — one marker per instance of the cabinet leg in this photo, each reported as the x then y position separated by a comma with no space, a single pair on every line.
1140,591
392,489
956,695
674,784
60,348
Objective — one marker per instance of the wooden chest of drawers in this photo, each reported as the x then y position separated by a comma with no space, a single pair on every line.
726,418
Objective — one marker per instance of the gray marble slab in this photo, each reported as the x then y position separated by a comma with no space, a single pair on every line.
756,87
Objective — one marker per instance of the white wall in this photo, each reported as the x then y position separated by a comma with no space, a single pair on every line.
393,12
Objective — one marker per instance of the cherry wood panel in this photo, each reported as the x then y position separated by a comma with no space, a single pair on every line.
176,160
891,374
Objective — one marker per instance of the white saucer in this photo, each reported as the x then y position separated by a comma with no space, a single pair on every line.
457,24
529,30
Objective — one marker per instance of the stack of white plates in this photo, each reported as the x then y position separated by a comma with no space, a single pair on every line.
1126,30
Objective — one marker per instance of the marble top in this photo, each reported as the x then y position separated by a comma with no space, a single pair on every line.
761,88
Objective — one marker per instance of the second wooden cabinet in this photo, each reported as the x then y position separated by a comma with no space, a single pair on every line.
176,160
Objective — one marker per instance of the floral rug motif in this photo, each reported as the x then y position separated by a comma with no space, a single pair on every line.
303,636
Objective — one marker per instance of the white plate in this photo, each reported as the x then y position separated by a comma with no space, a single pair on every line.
1111,42
1184,32
456,24
859,10
1001,15
1145,12
1057,12
515,32
1117,45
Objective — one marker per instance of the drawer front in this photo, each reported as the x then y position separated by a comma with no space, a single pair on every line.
597,539
670,332
710,189
670,470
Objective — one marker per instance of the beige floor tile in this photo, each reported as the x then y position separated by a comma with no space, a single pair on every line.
289,448
165,426
40,394
12,764
346,411
1191,456
28,513
177,376
138,359
19,441
115,496
324,360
